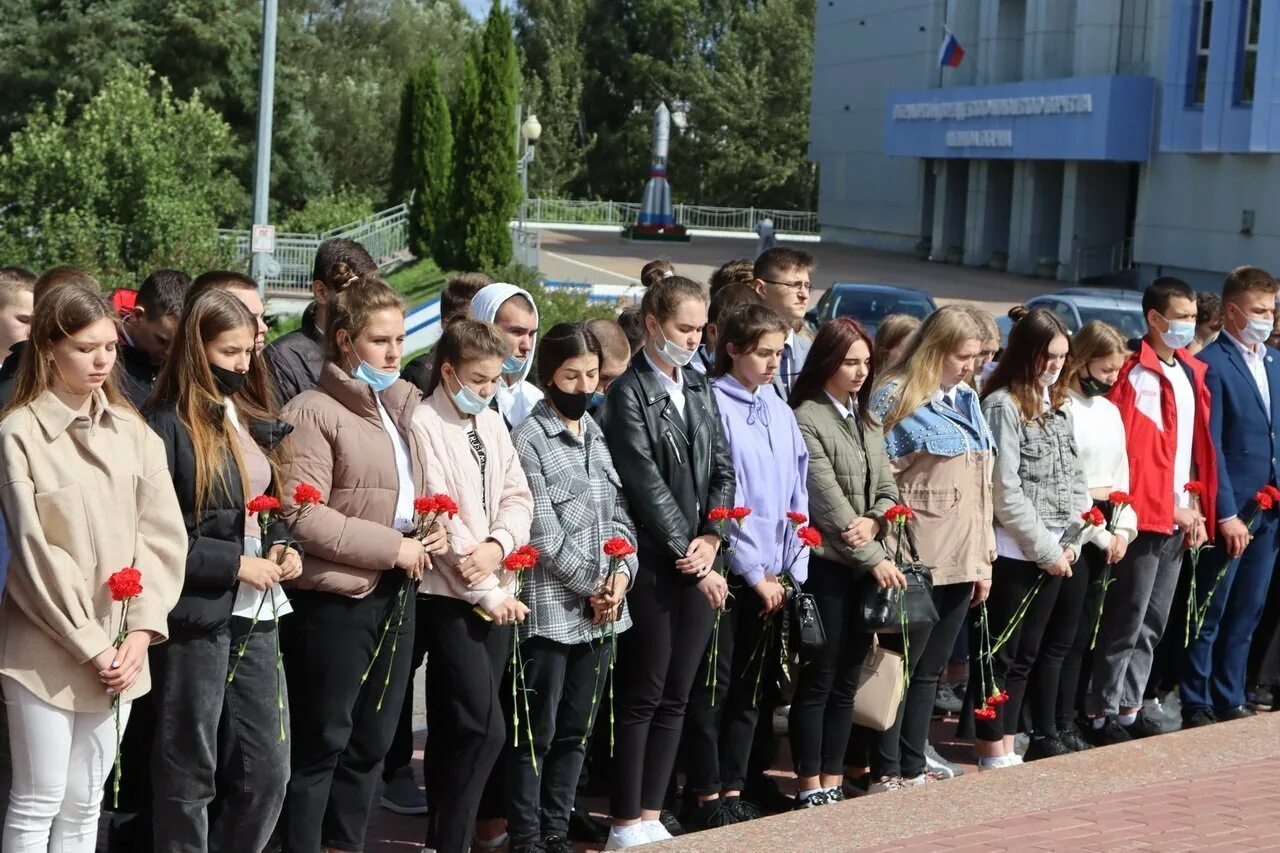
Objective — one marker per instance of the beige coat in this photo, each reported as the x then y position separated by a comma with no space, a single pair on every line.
951,497
84,496
339,445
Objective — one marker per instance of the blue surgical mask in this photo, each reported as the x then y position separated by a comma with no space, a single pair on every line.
595,401
513,365
468,401
1180,334
378,380
677,355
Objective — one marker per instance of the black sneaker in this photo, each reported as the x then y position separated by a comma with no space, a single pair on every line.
835,795
710,814
856,786
587,829
671,823
1263,698
741,809
1045,747
762,792
817,798
1145,726
557,844
1109,734
1240,712
1072,739
1198,718
535,847
950,699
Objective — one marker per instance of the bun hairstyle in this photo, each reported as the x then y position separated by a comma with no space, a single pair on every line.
655,271
339,262
463,341
1017,312
665,297
743,327
563,342
357,300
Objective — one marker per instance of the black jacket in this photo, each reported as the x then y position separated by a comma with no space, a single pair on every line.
215,537
9,372
295,359
418,372
654,455
135,374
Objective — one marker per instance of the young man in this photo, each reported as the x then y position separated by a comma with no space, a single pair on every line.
295,359
455,305
513,312
1164,402
782,280
243,288
16,296
723,301
616,347
740,271
1243,379
148,331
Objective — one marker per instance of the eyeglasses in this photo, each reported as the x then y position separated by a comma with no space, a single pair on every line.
797,286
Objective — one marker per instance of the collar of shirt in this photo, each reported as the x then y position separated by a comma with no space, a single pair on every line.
946,398
791,340
845,410
673,386
1251,354
55,416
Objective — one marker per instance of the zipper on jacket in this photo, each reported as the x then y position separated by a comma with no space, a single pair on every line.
675,448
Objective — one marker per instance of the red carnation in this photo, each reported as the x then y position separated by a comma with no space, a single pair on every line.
984,713
1093,517
719,513
1122,498
998,698
797,518
307,495
810,537
1264,500
263,503
1195,487
1273,492
899,514
524,557
424,506
125,584
446,505
738,513
618,547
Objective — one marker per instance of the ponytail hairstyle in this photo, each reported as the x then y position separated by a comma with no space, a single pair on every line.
340,262
354,306
62,309
664,298
743,327
829,349
1019,369
656,271
463,341
919,373
563,342
187,380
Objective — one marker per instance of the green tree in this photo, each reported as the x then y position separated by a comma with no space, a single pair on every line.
487,187
424,158
138,179
549,34
325,212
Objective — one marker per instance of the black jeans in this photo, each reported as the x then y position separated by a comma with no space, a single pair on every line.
658,660
822,707
129,830
1011,580
1264,651
1072,687
340,735
466,728
1067,622
400,755
566,684
720,731
218,765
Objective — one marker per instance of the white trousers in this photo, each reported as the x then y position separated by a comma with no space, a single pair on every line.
61,759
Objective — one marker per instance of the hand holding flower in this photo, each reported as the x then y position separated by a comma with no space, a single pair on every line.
716,590
127,662
258,572
436,539
289,560
772,594
511,609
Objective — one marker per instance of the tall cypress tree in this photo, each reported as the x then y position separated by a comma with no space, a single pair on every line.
487,186
424,159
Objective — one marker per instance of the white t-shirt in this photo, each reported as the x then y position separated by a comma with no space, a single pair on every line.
400,448
674,387
1184,397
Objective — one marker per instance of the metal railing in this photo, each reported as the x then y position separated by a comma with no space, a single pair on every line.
622,213
1093,261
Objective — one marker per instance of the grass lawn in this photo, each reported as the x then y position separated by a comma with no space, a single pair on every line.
417,282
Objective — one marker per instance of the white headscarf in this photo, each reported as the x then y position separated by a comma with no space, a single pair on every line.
485,305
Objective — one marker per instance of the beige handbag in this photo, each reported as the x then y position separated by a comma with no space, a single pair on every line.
880,687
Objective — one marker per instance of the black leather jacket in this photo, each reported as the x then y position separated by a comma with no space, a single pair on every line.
650,451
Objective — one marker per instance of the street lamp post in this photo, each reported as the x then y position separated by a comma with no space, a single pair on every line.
530,132
266,98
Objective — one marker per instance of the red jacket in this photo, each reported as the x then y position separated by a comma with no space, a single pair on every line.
1142,392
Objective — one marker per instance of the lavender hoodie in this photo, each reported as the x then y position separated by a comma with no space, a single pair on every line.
770,461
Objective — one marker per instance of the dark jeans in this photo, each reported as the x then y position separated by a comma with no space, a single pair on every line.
1011,580
6,763
822,707
219,766
1264,652
658,660
564,682
1069,623
466,728
720,730
129,829
1072,686
340,735
400,755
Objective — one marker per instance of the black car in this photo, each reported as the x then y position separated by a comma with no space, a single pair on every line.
869,304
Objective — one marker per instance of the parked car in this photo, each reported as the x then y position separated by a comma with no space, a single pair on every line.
869,304
1076,306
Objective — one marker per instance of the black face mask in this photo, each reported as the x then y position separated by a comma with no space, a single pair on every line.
228,381
1094,387
572,406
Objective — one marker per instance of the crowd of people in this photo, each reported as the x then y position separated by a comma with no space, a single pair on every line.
623,549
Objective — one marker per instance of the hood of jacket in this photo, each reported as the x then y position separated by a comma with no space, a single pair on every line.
485,305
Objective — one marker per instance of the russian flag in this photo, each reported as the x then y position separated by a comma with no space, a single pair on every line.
951,54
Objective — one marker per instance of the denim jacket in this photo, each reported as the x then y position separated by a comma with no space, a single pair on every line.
934,428
1039,483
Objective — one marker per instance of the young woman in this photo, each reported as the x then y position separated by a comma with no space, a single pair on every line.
1098,352
940,450
770,462
894,337
352,439
851,487
985,362
1209,320
86,493
213,409
575,600
472,460
1039,497
665,433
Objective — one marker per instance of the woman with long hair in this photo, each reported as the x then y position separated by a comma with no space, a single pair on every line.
86,493
941,452
893,339
769,465
575,593
1039,497
1098,351
664,431
472,459
850,487
352,439
214,411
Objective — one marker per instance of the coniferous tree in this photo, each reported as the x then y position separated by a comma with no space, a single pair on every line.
424,159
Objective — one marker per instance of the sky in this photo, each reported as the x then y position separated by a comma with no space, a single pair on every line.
477,8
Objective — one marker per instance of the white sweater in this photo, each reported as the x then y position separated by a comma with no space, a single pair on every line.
1101,447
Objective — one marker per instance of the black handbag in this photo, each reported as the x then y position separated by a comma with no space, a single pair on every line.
807,622
886,611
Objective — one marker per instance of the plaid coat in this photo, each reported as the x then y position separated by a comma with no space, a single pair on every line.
577,506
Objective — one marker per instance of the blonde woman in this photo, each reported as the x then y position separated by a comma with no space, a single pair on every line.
893,338
984,364
940,450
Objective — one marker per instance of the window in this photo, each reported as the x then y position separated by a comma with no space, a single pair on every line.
1201,73
1249,56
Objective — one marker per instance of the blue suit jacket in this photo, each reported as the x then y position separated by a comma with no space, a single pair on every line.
1244,438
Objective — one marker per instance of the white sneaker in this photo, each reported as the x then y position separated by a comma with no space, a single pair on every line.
1001,762
493,843
888,783
622,837
656,831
